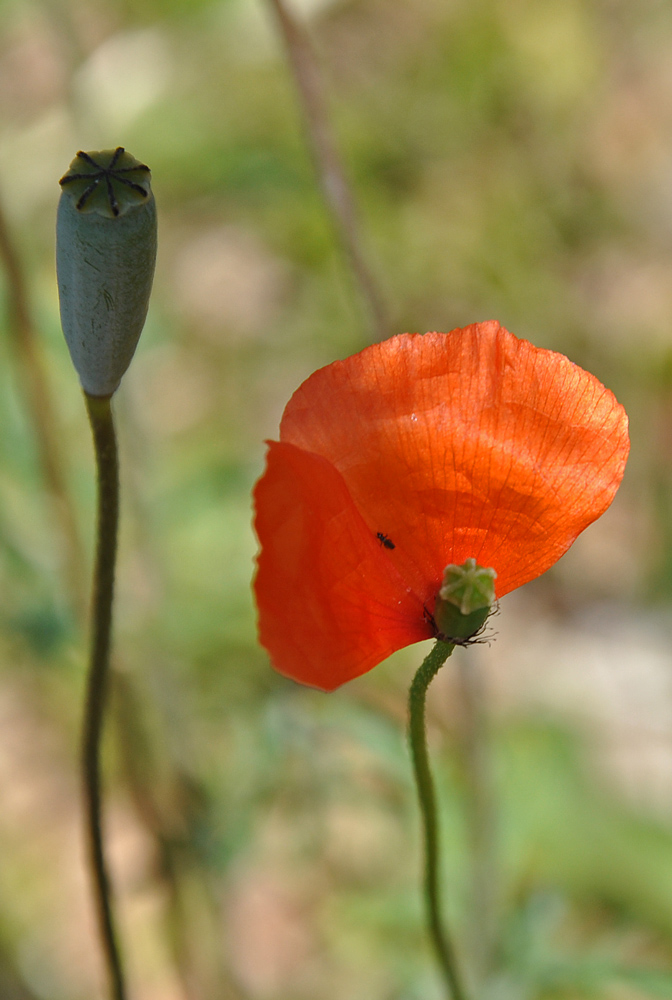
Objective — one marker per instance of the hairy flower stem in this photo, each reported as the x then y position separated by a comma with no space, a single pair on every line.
481,815
105,445
423,778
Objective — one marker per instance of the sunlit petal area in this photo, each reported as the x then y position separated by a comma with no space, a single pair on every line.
330,175
466,445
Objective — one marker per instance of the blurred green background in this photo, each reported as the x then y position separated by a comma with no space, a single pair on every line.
511,160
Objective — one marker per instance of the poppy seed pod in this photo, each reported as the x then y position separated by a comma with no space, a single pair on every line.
105,256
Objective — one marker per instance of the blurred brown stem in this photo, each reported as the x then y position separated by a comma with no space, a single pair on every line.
193,922
43,416
328,165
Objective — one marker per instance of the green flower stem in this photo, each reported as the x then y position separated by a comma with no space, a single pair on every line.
105,445
423,777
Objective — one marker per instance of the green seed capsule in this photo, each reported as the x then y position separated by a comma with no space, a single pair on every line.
105,256
464,600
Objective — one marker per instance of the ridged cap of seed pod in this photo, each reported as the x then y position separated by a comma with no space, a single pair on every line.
105,257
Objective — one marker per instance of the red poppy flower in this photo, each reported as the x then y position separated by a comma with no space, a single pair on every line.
415,453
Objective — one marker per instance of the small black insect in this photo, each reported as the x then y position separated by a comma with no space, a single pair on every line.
384,540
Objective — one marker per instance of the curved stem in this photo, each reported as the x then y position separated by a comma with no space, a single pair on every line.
481,816
423,777
105,444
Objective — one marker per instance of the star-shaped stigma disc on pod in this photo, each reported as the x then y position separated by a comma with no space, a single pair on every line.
108,182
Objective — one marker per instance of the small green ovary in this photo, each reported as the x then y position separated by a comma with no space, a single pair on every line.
107,182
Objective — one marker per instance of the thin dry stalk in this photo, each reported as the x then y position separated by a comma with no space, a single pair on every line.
42,412
328,165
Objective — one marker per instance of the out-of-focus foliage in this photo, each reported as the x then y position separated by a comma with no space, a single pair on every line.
511,160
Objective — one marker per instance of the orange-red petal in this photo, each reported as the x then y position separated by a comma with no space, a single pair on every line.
471,443
331,602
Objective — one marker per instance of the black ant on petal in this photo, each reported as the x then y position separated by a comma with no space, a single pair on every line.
385,541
